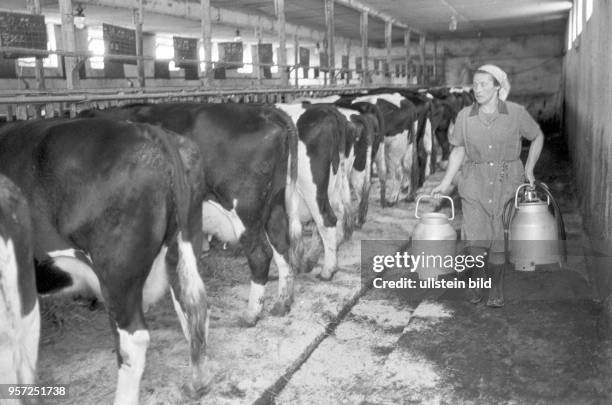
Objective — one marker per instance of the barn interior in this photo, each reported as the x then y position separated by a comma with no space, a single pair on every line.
342,343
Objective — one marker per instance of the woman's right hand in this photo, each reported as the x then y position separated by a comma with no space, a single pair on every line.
442,188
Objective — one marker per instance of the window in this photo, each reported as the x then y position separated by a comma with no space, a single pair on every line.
579,9
274,69
569,30
51,60
589,9
164,49
95,45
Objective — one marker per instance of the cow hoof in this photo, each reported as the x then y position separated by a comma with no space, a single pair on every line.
248,321
281,308
195,393
326,275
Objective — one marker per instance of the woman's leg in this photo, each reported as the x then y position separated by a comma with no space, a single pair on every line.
497,267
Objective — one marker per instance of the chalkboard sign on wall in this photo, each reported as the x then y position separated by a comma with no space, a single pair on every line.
304,60
345,67
230,53
358,62
119,41
187,48
323,62
266,56
22,31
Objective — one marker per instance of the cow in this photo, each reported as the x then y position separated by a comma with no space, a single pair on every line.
249,151
326,154
397,153
424,139
19,311
110,205
445,107
370,124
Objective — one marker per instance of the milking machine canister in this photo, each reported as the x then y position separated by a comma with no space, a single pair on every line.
434,236
533,235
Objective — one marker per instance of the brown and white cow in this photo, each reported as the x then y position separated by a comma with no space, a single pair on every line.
109,200
19,311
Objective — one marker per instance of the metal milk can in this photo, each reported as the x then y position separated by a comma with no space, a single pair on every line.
435,239
533,237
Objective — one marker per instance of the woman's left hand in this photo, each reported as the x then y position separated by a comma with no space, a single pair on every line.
530,177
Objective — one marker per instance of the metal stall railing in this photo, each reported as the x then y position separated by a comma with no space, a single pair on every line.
35,104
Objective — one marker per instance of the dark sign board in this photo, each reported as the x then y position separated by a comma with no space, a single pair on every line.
119,41
22,31
305,60
304,57
185,49
323,62
266,56
358,67
345,67
230,53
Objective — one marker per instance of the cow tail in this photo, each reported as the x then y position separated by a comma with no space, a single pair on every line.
296,250
191,292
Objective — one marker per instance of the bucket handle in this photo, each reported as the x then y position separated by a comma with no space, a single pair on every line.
416,209
517,194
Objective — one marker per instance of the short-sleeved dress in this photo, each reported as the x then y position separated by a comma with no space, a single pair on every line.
492,169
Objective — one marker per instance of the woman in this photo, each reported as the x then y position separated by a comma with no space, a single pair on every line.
487,147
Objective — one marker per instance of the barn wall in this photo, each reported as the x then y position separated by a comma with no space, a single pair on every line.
588,126
534,66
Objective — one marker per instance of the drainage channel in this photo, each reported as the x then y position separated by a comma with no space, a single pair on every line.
269,396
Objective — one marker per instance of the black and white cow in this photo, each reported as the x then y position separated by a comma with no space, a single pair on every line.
370,123
445,107
326,154
19,312
109,200
246,149
395,157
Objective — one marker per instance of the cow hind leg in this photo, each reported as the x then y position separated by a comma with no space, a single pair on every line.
278,238
190,303
131,336
381,168
259,256
19,332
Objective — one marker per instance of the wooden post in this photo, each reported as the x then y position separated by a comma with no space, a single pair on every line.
34,8
407,34
257,58
206,41
282,43
139,62
388,43
365,78
296,59
435,62
348,62
422,56
331,55
69,43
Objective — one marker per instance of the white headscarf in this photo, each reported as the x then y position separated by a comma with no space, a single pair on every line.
501,77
